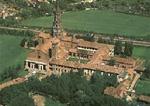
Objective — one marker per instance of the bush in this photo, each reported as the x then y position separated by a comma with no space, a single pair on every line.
23,41
23,33
10,21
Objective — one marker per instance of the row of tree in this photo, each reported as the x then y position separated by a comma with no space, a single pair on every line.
88,37
146,73
21,33
138,7
123,50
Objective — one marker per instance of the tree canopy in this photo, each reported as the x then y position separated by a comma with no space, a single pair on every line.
72,89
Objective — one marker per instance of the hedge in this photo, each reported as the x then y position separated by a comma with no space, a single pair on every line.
23,33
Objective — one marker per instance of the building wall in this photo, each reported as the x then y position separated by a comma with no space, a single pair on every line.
33,66
58,70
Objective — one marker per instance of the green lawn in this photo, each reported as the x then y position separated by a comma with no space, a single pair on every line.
100,22
142,52
11,53
143,87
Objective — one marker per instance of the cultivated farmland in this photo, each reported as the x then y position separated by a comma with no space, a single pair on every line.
108,22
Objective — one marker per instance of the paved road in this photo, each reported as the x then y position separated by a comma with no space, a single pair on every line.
15,81
136,43
18,29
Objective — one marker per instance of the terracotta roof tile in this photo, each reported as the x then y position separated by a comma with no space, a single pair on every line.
108,69
38,56
125,60
43,35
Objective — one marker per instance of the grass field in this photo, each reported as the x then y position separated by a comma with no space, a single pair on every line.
11,53
143,87
100,22
142,52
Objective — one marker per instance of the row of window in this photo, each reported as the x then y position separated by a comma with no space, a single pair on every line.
35,65
87,48
62,69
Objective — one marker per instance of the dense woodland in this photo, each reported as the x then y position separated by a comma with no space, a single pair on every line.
138,7
70,89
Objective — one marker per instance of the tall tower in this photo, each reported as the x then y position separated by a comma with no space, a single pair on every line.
55,48
57,29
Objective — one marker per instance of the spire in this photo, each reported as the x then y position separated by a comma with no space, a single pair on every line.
57,27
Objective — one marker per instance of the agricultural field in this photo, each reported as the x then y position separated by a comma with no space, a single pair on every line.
11,54
108,22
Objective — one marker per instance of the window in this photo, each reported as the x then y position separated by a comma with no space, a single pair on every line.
36,66
44,67
39,56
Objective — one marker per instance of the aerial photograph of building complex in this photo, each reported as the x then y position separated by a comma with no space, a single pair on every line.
74,52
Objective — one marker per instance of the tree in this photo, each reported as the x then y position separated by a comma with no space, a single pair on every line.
23,41
8,94
31,42
44,8
27,12
128,50
118,48
146,73
69,88
88,37
22,100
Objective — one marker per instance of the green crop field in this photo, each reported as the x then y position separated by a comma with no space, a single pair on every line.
108,22
142,52
11,53
143,87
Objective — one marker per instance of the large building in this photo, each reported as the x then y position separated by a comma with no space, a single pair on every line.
58,53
